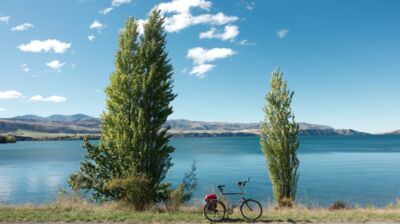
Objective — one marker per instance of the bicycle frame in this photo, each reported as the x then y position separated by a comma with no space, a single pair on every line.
239,202
217,209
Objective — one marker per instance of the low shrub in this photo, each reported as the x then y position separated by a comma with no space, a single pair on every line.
7,139
176,198
182,194
286,202
338,205
135,191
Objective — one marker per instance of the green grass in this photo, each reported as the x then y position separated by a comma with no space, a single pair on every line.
78,210
69,215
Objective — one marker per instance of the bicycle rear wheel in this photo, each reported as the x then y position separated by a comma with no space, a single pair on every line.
251,209
214,210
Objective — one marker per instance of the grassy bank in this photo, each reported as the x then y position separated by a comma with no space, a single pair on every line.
75,210
7,139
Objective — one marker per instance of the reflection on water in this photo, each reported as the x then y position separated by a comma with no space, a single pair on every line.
363,170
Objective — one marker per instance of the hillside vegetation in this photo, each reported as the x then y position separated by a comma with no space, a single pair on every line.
31,127
7,139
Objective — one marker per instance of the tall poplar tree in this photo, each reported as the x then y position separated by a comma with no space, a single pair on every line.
279,141
154,159
134,145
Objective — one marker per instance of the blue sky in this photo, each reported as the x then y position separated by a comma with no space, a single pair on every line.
341,57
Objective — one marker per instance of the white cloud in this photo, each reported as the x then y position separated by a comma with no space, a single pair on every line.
22,27
106,10
37,46
201,56
181,21
91,37
183,6
73,65
282,33
114,4
178,14
246,42
97,25
10,95
53,99
230,32
55,64
25,68
117,3
200,70
2,109
4,19
249,5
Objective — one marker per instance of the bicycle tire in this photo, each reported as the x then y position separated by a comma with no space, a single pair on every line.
214,207
256,205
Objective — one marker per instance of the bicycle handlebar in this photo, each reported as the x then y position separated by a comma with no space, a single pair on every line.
240,183
245,182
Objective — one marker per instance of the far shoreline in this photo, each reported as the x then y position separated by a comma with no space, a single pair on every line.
72,137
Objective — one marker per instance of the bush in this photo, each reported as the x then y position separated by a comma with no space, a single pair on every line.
7,139
135,191
189,183
337,205
162,192
176,198
286,202
184,191
76,181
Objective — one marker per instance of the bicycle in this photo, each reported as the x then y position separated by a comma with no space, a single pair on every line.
215,210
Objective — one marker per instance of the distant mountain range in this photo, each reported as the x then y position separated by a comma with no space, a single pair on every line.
31,127
394,132
186,127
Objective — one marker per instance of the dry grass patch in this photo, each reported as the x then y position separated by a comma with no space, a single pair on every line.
70,209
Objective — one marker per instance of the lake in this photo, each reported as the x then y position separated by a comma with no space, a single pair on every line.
363,170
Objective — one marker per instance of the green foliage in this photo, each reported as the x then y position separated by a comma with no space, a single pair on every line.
279,141
133,141
175,200
96,170
135,191
189,183
182,194
162,192
7,139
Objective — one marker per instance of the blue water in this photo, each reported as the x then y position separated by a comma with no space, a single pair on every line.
362,170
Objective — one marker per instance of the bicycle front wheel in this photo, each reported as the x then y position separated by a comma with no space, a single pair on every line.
214,210
251,209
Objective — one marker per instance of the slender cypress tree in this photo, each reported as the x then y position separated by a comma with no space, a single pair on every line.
154,158
133,141
279,141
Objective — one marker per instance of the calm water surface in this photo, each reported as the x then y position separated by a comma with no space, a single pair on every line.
361,170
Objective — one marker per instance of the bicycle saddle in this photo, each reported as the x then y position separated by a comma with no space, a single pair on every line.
221,186
239,183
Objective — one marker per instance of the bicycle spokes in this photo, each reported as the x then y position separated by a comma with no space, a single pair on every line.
214,210
251,209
